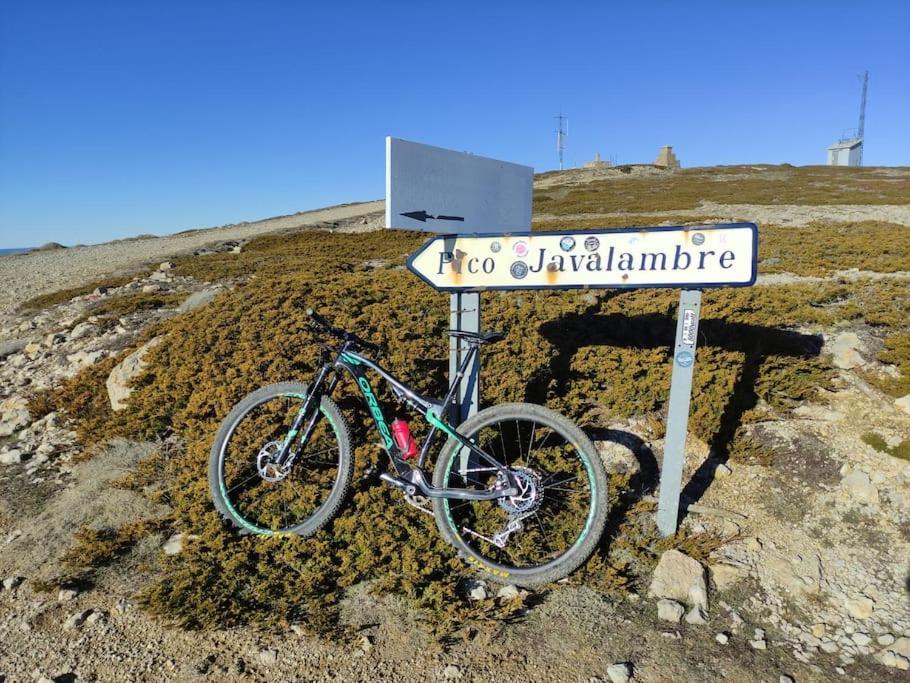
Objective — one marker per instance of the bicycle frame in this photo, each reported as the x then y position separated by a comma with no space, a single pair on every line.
409,478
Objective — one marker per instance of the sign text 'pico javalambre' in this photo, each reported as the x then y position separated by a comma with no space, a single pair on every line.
718,255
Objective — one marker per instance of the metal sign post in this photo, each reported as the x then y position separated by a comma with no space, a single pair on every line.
464,315
678,411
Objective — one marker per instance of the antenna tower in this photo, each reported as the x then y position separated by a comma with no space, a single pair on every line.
861,130
562,131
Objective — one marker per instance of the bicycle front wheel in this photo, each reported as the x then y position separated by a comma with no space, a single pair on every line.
256,494
554,523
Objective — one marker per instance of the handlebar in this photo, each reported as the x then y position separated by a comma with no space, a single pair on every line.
320,323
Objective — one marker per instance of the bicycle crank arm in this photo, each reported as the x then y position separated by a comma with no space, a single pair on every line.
419,483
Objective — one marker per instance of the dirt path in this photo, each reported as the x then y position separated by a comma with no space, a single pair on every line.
24,276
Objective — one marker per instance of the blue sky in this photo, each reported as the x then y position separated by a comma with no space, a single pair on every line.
119,118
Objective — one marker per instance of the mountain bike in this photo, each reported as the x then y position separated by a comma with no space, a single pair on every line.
517,489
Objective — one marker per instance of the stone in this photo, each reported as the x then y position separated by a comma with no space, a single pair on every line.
903,403
861,639
696,616
83,331
11,346
722,638
819,630
159,276
53,339
32,348
197,299
860,608
118,389
670,610
621,672
76,620
829,647
151,289
95,617
725,575
508,592
478,592
894,660
901,646
365,644
885,639
860,487
268,657
14,415
681,578
758,644
784,678
845,349
11,457
173,545
166,265
451,673
12,583
67,594
722,471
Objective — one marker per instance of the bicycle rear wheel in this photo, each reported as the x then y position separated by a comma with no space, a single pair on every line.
553,525
255,494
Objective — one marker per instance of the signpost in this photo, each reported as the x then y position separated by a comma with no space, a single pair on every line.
488,204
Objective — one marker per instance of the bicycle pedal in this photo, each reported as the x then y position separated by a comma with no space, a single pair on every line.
422,503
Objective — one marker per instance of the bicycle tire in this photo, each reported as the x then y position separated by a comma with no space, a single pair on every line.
328,510
578,553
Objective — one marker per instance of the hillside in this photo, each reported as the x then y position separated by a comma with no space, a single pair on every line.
798,462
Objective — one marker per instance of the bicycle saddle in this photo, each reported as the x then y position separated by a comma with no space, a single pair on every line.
478,337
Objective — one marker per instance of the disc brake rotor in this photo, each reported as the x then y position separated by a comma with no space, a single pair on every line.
270,470
530,493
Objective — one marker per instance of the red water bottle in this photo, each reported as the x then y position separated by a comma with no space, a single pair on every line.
403,439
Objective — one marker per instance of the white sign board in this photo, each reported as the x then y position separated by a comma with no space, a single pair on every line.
439,190
693,257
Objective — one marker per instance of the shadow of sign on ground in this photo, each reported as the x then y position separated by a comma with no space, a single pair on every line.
757,343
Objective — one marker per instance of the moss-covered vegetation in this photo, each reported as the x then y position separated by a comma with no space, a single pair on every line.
901,450
592,356
63,295
109,310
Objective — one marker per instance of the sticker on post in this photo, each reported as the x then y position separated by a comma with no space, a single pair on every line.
684,359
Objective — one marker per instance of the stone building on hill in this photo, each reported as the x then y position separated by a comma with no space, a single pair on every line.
666,158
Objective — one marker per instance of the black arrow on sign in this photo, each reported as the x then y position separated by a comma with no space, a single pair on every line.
422,216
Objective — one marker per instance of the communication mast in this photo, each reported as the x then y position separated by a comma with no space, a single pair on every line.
861,130
562,131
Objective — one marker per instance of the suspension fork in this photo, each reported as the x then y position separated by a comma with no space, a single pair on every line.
309,412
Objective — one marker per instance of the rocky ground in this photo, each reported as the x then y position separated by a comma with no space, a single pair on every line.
814,586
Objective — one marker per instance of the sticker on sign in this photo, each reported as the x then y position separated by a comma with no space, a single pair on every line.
440,190
718,255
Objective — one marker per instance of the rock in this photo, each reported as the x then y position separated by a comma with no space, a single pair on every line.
451,673
11,346
268,657
885,639
167,265
95,617
159,276
151,289
478,592
784,678
681,578
722,638
901,646
829,647
621,672
861,639
903,403
12,583
758,644
696,616
11,457
508,592
53,339
860,487
32,348
76,620
83,331
66,594
197,299
725,575
894,660
365,644
82,359
860,608
13,415
670,610
173,545
118,389
819,630
722,471
846,349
